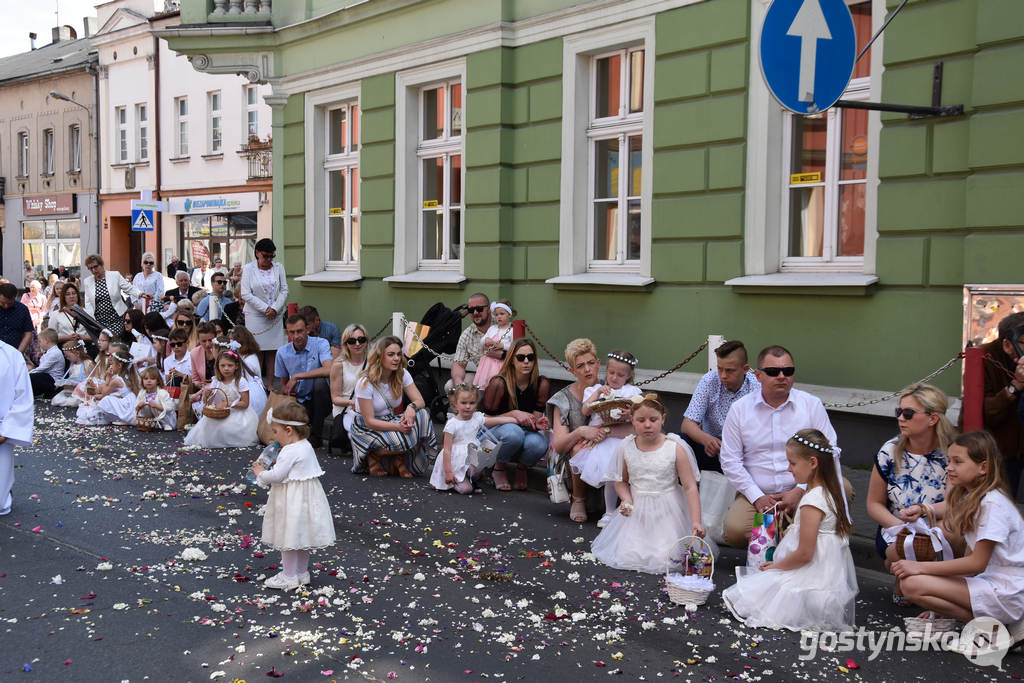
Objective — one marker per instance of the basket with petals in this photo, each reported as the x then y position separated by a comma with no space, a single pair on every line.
144,419
210,408
693,584
925,624
613,411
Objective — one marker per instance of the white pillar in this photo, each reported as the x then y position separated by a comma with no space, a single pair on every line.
397,328
714,341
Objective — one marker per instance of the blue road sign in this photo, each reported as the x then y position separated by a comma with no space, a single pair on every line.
142,220
807,52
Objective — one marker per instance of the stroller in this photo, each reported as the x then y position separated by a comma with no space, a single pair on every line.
425,367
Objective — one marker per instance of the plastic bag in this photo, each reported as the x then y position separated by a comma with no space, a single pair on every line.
763,539
716,497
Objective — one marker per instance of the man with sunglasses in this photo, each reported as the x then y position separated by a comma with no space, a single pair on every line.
1004,383
754,440
469,349
212,307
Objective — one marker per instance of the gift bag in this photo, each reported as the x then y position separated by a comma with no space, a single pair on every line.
184,405
275,399
716,497
763,539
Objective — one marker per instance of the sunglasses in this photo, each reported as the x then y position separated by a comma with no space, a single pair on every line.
477,309
523,357
148,263
263,254
175,345
908,413
182,323
352,341
774,372
218,282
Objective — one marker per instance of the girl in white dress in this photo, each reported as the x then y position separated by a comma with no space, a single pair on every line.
238,429
297,517
655,512
249,351
154,401
114,402
452,469
498,335
989,580
598,465
79,368
811,585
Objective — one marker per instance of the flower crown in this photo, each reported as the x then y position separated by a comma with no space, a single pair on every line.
622,359
160,337
811,444
70,346
124,359
222,344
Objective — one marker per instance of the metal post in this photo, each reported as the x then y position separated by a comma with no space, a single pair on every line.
714,341
396,324
518,329
974,389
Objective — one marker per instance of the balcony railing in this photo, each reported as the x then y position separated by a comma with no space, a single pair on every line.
260,161
240,10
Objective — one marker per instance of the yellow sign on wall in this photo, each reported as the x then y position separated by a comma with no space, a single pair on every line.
430,204
803,178
335,211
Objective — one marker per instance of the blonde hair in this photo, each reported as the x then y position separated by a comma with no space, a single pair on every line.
293,411
577,348
465,388
374,372
934,402
129,373
151,371
963,502
347,334
648,400
821,450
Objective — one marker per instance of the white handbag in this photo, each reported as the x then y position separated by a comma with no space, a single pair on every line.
557,491
716,497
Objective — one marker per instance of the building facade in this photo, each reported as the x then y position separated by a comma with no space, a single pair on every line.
619,170
48,155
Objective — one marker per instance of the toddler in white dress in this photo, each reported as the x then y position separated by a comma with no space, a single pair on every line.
238,429
80,367
498,335
297,517
451,468
153,401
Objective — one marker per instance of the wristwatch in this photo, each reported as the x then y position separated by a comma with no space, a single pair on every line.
1012,390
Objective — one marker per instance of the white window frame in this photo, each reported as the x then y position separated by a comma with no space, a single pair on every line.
75,148
121,136
317,105
577,177
23,151
215,121
765,223
347,161
48,151
142,131
251,102
181,126
409,84
444,148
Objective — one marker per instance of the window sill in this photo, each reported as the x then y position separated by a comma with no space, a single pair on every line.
46,175
603,281
179,160
75,171
332,278
835,284
131,164
214,155
22,178
438,278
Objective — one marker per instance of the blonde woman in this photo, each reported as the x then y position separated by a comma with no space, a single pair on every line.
149,281
345,371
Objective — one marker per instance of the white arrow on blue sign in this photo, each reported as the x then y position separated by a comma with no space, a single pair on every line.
808,48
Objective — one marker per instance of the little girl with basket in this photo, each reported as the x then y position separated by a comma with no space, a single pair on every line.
297,517
811,584
598,465
498,335
113,400
989,580
153,402
228,391
453,469
655,511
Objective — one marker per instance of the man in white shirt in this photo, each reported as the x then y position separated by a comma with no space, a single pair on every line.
16,417
754,440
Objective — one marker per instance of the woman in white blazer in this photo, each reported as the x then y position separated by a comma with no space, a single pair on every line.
108,308
265,292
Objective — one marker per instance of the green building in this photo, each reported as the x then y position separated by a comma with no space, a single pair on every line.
618,170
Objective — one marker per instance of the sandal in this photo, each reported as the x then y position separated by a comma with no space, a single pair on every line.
522,479
400,467
374,467
500,479
900,600
578,510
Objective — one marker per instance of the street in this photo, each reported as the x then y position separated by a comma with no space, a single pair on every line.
97,584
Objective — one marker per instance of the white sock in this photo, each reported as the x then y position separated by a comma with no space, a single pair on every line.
301,562
289,562
610,498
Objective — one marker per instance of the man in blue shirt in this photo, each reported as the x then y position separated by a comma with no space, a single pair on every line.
322,328
303,366
15,321
213,305
715,393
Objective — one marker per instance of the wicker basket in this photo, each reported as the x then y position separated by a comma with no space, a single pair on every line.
613,411
922,624
923,549
91,388
684,596
146,423
212,412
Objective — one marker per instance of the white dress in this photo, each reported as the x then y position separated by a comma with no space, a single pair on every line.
642,540
263,289
168,417
819,596
117,407
141,348
598,465
75,375
257,392
998,592
464,432
297,515
237,430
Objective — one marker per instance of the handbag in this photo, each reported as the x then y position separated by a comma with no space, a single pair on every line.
716,497
184,405
275,399
921,541
558,471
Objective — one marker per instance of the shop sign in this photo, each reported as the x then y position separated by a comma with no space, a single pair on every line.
48,204
214,203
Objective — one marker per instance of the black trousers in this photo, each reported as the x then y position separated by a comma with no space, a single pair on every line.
43,385
704,461
318,405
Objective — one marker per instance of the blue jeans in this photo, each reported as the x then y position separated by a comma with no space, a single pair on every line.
520,445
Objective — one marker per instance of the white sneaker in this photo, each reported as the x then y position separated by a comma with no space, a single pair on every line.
603,522
281,582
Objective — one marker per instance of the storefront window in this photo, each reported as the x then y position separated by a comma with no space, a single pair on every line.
232,237
48,244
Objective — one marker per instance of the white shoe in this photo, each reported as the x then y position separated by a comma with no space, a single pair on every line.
281,582
304,579
603,522
1016,630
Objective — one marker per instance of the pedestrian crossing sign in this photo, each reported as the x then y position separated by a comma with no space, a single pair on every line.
142,220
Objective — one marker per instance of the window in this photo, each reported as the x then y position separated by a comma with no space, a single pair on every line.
231,236
48,151
252,113
341,166
23,155
440,179
141,132
48,244
121,139
604,227
181,126
213,108
75,148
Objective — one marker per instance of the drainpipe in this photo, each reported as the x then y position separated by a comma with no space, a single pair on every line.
157,215
94,69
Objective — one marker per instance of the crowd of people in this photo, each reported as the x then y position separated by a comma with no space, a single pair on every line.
197,353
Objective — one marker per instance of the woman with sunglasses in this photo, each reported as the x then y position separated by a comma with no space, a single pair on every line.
149,281
518,391
345,369
909,476
184,319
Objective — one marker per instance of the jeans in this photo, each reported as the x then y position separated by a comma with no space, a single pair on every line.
520,445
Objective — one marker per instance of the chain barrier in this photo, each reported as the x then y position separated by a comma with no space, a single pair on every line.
445,356
676,366
381,330
545,349
945,366
992,361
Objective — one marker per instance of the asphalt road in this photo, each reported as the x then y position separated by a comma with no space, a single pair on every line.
421,586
